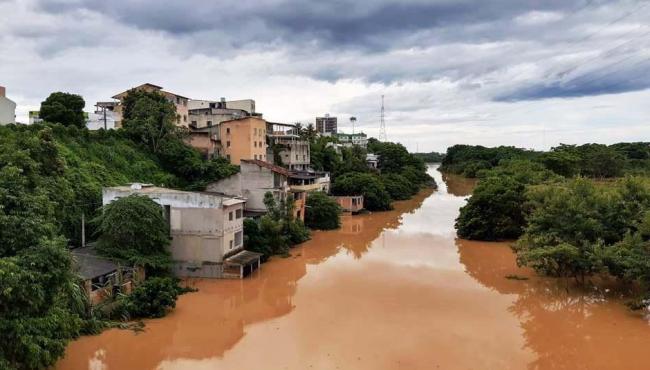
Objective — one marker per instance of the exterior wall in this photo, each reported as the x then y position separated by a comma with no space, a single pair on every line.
247,105
203,141
350,203
296,154
326,124
96,120
243,139
200,227
252,183
7,110
201,118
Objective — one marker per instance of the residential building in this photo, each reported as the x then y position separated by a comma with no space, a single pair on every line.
206,230
243,138
327,124
7,108
104,116
254,180
247,105
102,277
34,117
350,203
294,152
372,160
309,181
349,140
179,101
205,139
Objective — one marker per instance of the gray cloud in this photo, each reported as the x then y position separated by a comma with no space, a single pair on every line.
439,62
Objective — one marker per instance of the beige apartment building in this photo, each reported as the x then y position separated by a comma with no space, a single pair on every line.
206,229
243,138
179,101
7,108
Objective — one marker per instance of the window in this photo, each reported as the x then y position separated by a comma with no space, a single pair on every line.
238,213
227,144
296,156
184,118
255,144
239,237
231,244
228,157
230,216
255,131
193,123
209,123
228,130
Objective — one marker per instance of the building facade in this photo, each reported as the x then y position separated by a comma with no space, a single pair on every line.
327,124
243,138
206,229
254,180
293,151
349,140
7,108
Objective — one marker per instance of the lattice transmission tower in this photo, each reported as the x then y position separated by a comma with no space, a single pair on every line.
382,123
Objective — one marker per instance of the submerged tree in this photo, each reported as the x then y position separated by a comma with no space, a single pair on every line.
322,212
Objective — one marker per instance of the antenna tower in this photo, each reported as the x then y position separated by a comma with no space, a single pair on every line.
382,123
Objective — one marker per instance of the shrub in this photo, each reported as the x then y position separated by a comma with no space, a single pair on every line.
322,212
376,198
153,298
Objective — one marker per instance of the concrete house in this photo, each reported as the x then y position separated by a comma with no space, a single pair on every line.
7,108
254,180
294,151
350,140
102,277
206,230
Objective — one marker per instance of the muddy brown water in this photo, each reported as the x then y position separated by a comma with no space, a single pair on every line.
392,290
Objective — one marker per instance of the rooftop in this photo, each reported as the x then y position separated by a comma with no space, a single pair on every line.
89,264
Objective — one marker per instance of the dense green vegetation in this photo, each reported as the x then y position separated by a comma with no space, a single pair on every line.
64,108
275,232
322,212
431,157
568,220
50,175
400,175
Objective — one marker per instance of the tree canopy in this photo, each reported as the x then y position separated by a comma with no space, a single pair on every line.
322,212
64,108
134,229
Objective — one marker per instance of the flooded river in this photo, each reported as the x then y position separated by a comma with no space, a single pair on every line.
392,290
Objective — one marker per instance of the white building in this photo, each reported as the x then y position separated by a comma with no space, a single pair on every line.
349,140
7,108
206,229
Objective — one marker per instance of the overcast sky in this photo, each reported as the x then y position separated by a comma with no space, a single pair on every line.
527,73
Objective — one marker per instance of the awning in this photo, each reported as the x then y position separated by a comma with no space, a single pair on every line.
244,258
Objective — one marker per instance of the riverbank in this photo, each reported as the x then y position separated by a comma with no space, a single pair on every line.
389,290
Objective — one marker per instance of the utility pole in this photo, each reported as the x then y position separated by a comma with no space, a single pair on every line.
83,229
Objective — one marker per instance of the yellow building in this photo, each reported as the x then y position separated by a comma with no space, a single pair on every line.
243,138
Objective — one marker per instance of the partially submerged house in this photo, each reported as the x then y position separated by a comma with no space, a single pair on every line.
206,229
102,277
350,203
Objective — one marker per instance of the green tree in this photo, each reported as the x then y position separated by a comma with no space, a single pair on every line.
376,198
398,186
134,229
64,108
148,117
322,212
494,210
